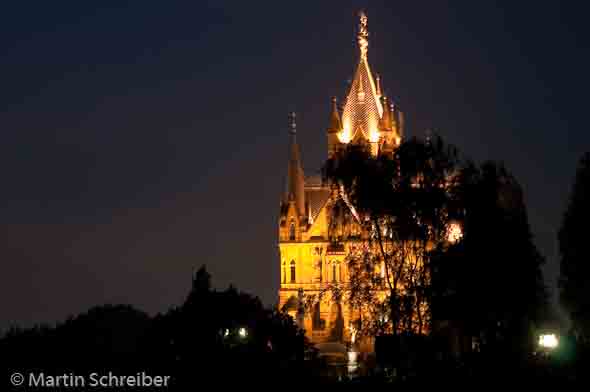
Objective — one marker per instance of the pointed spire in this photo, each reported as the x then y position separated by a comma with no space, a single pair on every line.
335,124
296,181
378,86
362,111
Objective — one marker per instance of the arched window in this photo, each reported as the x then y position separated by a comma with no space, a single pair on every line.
284,273
292,231
334,271
320,269
339,272
292,271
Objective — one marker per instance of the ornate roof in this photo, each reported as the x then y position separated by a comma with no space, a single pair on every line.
363,109
316,199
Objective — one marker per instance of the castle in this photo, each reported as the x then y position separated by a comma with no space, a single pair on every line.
312,254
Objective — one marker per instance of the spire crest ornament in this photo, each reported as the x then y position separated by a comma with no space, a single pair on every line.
363,35
292,124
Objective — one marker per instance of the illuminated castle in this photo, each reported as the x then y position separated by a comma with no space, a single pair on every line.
312,247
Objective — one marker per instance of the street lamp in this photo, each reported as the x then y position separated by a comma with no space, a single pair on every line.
548,341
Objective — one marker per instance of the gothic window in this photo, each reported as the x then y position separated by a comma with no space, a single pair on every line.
284,273
339,272
334,271
320,269
292,231
292,271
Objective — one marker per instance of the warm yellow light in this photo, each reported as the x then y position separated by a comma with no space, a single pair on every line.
242,332
352,333
548,341
345,135
455,233
373,135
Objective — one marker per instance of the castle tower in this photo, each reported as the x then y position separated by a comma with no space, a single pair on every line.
312,258
366,117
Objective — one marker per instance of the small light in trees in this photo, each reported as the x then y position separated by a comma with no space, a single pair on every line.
548,341
226,333
455,233
242,332
353,332
352,362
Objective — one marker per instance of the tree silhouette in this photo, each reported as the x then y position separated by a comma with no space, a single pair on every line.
404,205
575,266
490,284
224,336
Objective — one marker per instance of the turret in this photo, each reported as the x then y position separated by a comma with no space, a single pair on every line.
334,129
296,180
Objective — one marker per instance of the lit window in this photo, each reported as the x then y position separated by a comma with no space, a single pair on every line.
292,271
334,267
284,273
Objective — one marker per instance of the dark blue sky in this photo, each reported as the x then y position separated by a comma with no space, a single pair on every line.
140,140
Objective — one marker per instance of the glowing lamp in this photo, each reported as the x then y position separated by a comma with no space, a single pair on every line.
344,136
242,332
455,233
373,136
548,341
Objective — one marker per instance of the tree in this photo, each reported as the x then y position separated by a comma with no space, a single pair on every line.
490,284
575,266
225,336
404,206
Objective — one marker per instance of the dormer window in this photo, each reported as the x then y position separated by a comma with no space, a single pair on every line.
292,231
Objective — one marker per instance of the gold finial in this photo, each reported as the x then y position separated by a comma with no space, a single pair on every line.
363,35
292,123
378,87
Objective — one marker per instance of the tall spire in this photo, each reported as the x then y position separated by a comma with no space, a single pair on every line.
363,110
296,181
335,124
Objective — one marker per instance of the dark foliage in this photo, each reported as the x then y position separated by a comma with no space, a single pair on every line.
490,284
575,263
220,337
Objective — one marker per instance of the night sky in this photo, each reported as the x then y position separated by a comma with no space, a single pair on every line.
140,140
